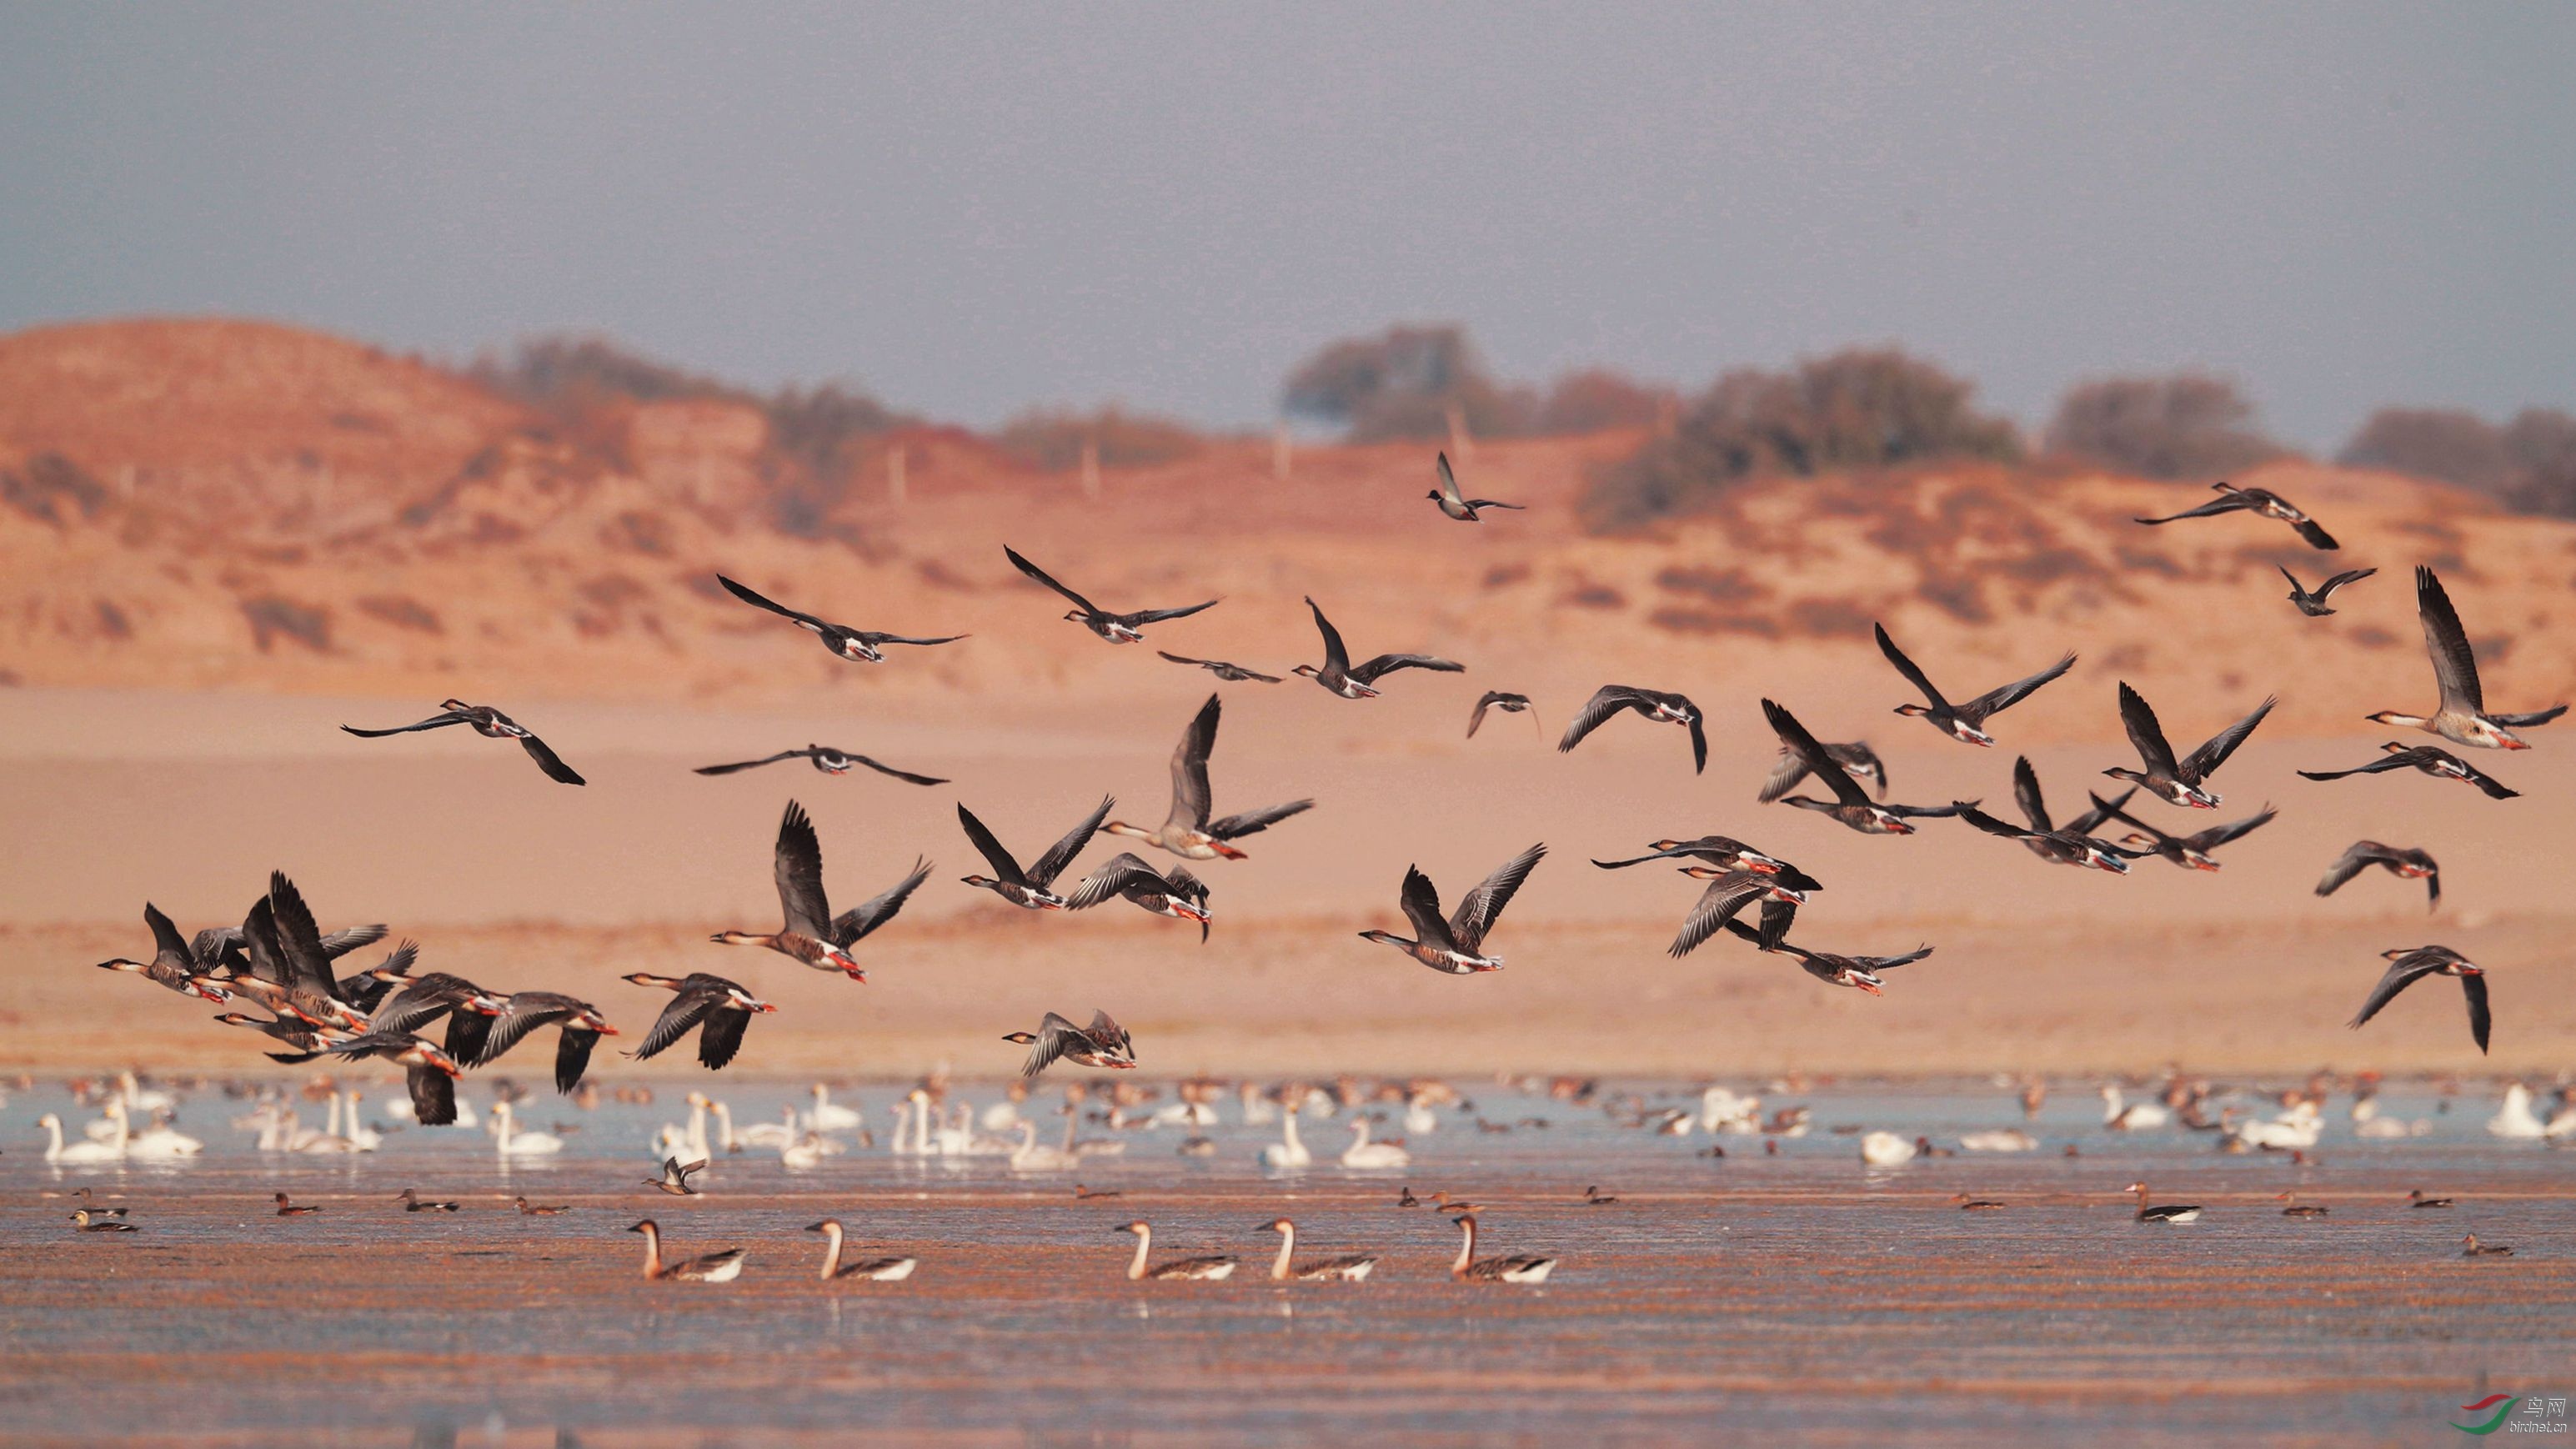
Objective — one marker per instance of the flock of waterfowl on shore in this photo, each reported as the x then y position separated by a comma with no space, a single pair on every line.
280,960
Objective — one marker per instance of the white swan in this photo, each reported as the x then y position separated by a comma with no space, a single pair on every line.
2515,1118
1886,1149
512,1142
328,1140
2289,1130
1721,1110
826,1116
1419,1117
806,1152
157,1141
780,1133
1257,1110
82,1152
1032,1156
357,1131
2122,1116
1364,1153
909,1140
2003,1139
1288,1151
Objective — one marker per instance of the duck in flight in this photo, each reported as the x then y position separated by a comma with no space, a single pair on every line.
1453,503
1861,973
2314,605
1186,831
526,1011
812,934
2432,760
1857,759
1508,703
1729,892
174,962
848,643
1338,676
826,759
1457,945
1651,704
2407,863
1180,895
2263,501
1230,673
489,723
1104,1043
720,1011
2462,716
2192,852
2183,781
2406,967
1963,722
1850,805
1116,628
1029,889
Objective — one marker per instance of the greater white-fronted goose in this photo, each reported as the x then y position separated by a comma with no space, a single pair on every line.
2183,781
2405,862
1724,852
469,1010
1508,703
720,1011
1653,704
1116,628
2192,852
1230,673
489,723
286,947
1963,722
1861,973
2263,501
1851,805
2064,847
1352,1269
430,1072
1455,504
2314,604
1204,1270
1030,889
2432,760
525,1011
826,759
1186,830
2406,967
1730,891
174,962
225,950
812,934
1104,1043
854,644
1457,945
719,1267
2462,716
1338,675
1857,759
1471,1269
1180,895
875,1270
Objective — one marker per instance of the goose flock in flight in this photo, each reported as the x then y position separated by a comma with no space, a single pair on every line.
279,960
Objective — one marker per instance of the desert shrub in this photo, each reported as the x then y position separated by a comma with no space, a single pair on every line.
2528,464
272,617
554,371
1859,408
401,612
1403,383
2543,444
1725,586
51,488
2184,426
1595,399
1052,439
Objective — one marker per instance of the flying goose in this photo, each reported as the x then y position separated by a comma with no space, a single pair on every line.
2405,862
2258,500
2462,716
1452,503
1850,805
525,1011
719,1010
1508,703
2408,967
826,759
1104,1043
1230,673
2314,604
847,643
1652,704
1858,972
489,723
1857,759
1186,831
1963,722
174,962
1730,891
1116,628
2432,760
1029,889
1179,895
1338,676
2178,782
1724,852
1456,945
812,934
429,1072
2192,852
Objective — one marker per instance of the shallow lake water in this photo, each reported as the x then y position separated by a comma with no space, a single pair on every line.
1795,1295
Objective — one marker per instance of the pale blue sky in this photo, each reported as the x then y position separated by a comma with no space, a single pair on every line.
974,208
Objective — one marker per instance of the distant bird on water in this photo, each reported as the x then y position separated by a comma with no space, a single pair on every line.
2406,967
1453,503
1651,704
1338,675
489,723
1505,701
812,934
2183,781
1963,722
2262,501
1457,944
1186,831
2432,760
2405,862
826,759
1230,673
2462,716
848,643
1104,1043
1116,628
1030,889
2314,604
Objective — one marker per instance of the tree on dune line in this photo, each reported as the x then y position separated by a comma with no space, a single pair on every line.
1413,382
2528,465
2187,426
1859,408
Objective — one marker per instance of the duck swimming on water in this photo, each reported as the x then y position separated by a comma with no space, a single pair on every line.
1116,628
812,934
854,644
1457,945
2462,716
1963,722
489,723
